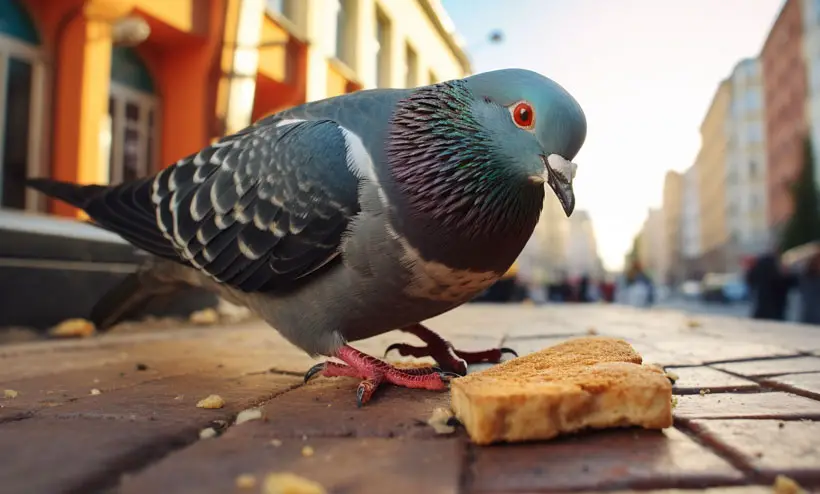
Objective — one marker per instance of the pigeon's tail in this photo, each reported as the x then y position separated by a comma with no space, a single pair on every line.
125,209
79,196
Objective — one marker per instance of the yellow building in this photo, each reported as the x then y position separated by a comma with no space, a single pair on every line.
672,225
711,172
100,91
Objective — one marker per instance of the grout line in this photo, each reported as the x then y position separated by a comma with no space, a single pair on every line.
465,481
750,475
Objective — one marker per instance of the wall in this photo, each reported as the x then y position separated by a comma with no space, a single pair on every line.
672,224
784,83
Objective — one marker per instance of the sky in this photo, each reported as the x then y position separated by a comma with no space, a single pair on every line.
644,71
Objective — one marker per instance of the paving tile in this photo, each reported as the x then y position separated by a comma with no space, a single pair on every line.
740,489
41,456
746,405
710,349
174,400
341,465
327,407
772,367
694,379
770,447
805,383
602,460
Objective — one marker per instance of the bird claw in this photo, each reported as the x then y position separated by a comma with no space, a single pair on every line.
505,349
315,370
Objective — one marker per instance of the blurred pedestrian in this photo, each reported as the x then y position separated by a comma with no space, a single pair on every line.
808,286
769,283
635,287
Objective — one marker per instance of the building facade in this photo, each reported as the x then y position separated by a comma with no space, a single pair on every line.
101,91
582,248
746,184
672,226
785,97
711,164
811,57
651,245
690,246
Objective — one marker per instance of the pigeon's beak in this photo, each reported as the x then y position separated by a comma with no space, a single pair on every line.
558,173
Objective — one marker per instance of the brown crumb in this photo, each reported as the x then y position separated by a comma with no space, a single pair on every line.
10,393
692,323
785,485
439,420
204,316
246,481
307,451
288,483
592,331
73,328
212,401
276,442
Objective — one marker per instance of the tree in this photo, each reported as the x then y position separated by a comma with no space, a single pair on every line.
804,224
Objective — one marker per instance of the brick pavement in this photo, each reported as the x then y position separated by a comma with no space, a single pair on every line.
118,413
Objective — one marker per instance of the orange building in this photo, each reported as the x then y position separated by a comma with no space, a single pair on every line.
100,91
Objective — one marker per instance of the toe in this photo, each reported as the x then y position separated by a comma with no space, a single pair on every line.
509,350
315,370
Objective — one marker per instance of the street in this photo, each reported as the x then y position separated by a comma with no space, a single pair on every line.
736,309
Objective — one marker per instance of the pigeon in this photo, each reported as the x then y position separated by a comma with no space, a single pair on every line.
349,217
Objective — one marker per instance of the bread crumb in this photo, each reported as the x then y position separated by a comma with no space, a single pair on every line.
307,451
672,376
96,392
439,421
10,393
246,481
785,485
207,433
288,483
674,401
276,443
592,331
73,328
248,415
692,323
204,316
212,401
704,392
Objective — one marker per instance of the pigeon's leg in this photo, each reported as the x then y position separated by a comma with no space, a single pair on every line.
374,372
443,351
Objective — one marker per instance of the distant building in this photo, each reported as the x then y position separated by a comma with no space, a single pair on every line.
103,91
746,185
651,245
673,225
582,247
690,245
544,259
785,95
811,56
711,172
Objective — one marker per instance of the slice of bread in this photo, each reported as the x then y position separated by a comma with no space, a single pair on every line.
594,382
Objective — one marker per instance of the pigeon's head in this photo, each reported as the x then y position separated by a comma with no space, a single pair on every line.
534,125
478,151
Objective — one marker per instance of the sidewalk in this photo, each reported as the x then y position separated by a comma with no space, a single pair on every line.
118,413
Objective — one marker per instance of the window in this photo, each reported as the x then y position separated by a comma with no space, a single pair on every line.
22,76
340,50
752,170
754,132
281,7
382,50
411,75
133,111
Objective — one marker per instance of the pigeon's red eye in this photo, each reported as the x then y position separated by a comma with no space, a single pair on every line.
523,115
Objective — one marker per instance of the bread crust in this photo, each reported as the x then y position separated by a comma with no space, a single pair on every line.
583,383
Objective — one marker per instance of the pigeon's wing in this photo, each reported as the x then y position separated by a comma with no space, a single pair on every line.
263,207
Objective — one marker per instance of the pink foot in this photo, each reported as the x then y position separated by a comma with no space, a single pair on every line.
374,372
443,351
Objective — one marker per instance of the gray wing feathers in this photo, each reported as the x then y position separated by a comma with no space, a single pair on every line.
265,205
